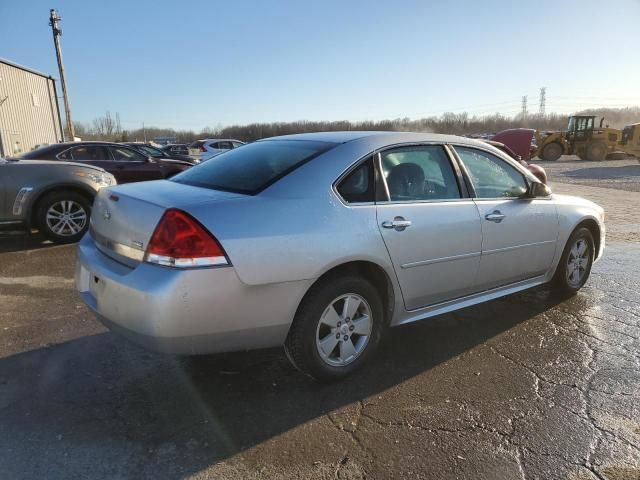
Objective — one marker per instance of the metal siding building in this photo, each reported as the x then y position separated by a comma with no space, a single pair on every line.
29,113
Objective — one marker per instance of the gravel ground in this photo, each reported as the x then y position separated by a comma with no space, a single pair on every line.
528,386
615,174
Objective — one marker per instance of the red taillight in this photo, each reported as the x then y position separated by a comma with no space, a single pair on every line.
180,241
202,149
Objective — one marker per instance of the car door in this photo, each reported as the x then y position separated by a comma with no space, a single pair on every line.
519,234
430,227
131,166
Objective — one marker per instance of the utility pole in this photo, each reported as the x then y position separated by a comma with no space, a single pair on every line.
524,106
57,33
543,101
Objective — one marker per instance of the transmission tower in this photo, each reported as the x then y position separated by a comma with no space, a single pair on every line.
524,106
543,101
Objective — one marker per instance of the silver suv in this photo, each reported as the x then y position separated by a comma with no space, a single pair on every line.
54,197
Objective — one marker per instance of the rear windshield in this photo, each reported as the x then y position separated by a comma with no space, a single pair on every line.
196,144
42,153
253,167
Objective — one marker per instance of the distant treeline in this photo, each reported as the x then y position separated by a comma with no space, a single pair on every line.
108,128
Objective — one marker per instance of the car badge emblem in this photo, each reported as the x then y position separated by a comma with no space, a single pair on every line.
106,215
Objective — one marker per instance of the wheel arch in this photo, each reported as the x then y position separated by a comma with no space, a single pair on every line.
371,271
35,201
593,226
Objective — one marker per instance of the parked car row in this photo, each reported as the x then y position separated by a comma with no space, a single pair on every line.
124,162
206,149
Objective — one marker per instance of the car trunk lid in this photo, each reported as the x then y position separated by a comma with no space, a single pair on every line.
124,217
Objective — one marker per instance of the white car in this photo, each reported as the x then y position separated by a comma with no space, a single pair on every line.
210,147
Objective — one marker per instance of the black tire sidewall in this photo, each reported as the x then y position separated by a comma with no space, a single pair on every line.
551,146
560,278
41,212
301,342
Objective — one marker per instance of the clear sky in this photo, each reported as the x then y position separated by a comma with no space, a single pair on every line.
190,64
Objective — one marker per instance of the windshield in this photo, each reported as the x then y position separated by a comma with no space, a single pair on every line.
253,167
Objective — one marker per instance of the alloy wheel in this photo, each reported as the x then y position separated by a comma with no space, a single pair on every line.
578,262
344,330
66,218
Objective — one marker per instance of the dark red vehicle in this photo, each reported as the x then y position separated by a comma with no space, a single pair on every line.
125,163
518,144
537,170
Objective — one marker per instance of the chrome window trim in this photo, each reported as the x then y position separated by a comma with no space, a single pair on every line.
21,199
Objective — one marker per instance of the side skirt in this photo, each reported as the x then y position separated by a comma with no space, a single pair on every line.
469,300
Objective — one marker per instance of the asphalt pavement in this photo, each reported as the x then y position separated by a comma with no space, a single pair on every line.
528,386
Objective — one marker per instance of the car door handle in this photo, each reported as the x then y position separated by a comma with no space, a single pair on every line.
495,216
398,223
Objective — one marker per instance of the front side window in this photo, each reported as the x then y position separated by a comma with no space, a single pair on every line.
421,172
491,176
254,167
152,152
89,153
358,186
126,155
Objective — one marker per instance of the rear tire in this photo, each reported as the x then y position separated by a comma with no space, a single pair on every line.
575,264
63,216
596,152
337,327
552,152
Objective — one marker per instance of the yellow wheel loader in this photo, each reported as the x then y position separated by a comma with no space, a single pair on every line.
588,142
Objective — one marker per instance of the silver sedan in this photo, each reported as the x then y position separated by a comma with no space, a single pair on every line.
319,241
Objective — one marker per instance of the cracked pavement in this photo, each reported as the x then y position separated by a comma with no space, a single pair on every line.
528,386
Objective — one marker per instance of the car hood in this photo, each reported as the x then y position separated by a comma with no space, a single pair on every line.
56,163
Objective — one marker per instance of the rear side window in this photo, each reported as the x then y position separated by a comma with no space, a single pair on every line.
254,167
90,153
421,172
358,186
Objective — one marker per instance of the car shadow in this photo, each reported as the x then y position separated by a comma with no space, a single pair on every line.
17,241
111,409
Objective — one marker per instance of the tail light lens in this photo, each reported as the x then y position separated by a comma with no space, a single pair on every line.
179,240
202,149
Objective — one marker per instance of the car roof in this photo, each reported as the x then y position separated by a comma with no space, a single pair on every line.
378,137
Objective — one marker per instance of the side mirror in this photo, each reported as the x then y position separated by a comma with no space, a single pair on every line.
537,189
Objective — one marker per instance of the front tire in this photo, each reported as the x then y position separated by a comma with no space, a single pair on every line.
575,264
337,328
63,217
552,152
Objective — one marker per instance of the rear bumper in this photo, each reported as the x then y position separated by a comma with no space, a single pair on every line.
194,311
